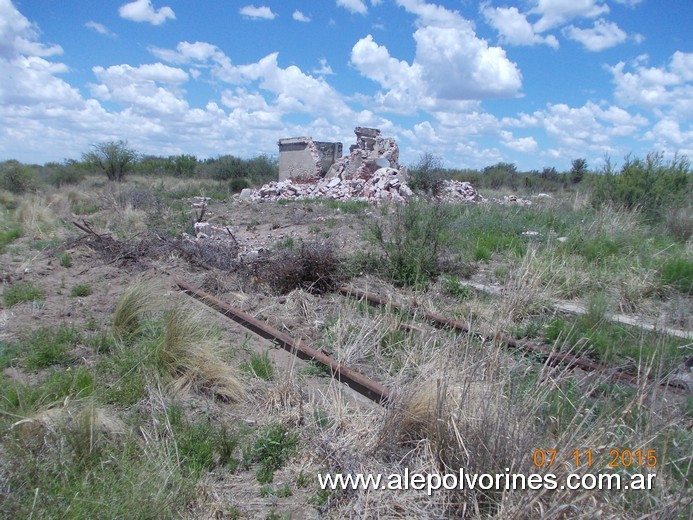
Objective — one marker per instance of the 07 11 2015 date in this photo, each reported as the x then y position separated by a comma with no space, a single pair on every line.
616,458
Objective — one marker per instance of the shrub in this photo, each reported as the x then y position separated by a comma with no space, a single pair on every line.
412,240
238,185
17,177
311,266
651,185
427,175
114,158
64,174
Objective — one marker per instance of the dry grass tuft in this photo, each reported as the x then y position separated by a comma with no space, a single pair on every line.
193,357
136,302
37,217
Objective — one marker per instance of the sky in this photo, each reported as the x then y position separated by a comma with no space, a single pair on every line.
536,83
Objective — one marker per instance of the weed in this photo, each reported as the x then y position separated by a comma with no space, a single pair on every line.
454,287
314,368
283,491
81,290
202,445
66,260
274,445
136,302
303,480
21,292
259,365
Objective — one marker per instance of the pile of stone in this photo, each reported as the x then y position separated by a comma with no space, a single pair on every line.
459,191
385,184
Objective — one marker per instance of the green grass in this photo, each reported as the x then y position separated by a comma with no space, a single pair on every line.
8,236
259,365
615,343
678,274
49,346
21,292
274,445
81,290
202,445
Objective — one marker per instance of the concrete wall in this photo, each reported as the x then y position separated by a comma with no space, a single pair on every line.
300,158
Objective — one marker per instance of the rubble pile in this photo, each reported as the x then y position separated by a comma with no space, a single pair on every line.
384,184
459,191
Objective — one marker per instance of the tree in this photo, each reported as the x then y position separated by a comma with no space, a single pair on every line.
113,157
578,171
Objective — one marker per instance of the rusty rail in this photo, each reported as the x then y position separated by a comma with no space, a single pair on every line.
551,357
342,373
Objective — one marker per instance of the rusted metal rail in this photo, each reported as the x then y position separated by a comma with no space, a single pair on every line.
551,357
342,373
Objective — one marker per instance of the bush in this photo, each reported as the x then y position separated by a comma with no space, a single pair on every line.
238,185
651,185
63,174
114,158
17,177
311,266
427,175
412,241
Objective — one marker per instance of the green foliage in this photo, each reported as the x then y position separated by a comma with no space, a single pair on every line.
17,177
66,260
678,273
81,290
202,445
65,174
412,240
260,365
427,175
50,346
273,446
578,170
21,292
501,174
238,185
184,165
114,158
256,171
651,185
454,287
8,236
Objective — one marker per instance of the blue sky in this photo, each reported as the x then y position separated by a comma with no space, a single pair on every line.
535,82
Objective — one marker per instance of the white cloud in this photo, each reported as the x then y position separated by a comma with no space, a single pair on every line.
143,11
514,28
668,88
669,137
555,13
519,144
258,13
99,28
18,35
300,17
140,88
451,63
602,35
354,6
325,69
